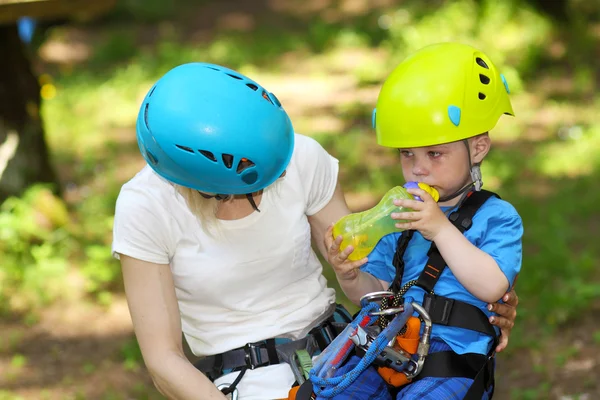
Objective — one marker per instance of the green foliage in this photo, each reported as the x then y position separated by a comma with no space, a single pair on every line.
546,161
132,355
555,283
34,241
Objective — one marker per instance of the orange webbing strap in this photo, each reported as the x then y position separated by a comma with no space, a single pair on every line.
293,392
302,392
409,342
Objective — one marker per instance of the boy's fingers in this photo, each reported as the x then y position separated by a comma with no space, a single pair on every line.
360,263
405,225
329,237
346,252
334,246
407,203
408,215
426,197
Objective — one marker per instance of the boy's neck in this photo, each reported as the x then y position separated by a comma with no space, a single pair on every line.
451,203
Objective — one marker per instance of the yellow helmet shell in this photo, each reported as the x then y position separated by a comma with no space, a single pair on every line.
442,93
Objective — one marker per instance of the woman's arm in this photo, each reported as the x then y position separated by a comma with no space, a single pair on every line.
319,222
507,314
155,314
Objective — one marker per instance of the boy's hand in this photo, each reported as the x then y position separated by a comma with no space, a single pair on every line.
427,216
344,269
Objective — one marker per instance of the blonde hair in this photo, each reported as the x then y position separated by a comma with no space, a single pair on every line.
204,209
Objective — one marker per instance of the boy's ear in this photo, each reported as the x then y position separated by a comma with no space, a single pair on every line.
480,146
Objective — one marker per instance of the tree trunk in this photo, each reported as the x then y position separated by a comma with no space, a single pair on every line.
24,158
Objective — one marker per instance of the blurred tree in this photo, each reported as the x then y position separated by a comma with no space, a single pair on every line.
24,156
557,9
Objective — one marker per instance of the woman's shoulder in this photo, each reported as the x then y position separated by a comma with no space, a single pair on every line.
146,190
306,146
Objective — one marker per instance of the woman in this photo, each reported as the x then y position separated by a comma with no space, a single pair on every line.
214,237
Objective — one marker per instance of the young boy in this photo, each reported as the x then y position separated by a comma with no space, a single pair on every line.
437,108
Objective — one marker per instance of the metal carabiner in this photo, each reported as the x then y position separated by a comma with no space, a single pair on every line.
374,296
233,395
423,349
388,311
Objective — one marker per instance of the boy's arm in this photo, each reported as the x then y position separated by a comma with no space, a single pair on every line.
485,271
476,270
354,282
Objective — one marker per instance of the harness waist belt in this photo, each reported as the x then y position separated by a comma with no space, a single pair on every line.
268,352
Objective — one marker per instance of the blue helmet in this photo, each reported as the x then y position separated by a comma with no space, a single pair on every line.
212,129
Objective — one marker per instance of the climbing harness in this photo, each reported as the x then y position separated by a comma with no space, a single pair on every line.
376,345
450,312
225,389
297,353
383,320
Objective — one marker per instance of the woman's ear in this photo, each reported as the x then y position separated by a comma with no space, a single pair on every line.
480,146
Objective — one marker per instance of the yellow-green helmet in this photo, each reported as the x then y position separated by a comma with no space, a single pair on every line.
443,93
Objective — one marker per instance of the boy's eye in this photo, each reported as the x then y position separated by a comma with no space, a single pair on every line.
434,154
406,153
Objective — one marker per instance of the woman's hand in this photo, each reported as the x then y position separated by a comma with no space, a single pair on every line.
345,270
505,320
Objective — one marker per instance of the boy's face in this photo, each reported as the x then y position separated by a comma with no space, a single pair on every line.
445,167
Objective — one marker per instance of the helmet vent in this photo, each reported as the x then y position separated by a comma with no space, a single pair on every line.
152,157
252,86
481,96
250,178
227,160
484,79
152,91
146,116
265,96
235,77
184,148
482,63
244,164
208,155
216,69
276,100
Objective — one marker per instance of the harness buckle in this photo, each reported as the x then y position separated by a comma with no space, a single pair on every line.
253,356
439,308
232,395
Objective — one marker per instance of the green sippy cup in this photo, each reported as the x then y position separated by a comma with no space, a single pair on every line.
364,229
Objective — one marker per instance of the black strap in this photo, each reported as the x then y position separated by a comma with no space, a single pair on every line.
462,219
449,312
479,367
398,260
258,354
231,388
448,364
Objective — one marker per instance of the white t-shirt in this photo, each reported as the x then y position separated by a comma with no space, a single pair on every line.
254,279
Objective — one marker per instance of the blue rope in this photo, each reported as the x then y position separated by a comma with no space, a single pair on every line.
333,386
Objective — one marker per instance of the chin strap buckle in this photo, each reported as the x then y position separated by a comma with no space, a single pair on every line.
476,177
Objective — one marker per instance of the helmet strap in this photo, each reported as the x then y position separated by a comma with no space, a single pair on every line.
215,196
224,197
476,179
251,200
